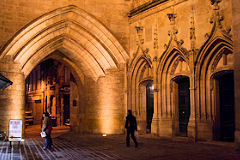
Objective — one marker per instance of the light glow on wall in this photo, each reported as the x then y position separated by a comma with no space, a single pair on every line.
106,121
108,107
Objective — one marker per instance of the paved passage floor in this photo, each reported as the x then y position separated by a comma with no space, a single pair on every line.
96,147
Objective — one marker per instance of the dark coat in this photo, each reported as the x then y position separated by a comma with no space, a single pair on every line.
131,122
47,125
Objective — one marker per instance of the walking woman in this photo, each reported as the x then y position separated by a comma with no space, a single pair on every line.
47,128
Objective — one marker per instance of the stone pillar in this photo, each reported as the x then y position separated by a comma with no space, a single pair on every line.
155,119
103,110
236,50
192,129
12,99
61,110
74,107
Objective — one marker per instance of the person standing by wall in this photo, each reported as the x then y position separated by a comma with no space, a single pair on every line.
47,128
131,126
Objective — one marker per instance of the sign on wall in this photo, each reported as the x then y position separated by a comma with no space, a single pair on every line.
15,130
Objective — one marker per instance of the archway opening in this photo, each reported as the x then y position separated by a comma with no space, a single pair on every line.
183,94
48,90
149,105
78,40
225,121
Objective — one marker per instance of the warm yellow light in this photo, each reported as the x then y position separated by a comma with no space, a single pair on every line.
107,121
109,110
152,87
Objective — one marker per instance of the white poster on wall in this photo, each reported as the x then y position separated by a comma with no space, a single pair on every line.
15,130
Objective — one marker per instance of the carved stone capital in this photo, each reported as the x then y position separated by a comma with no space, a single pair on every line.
139,30
155,59
215,2
172,17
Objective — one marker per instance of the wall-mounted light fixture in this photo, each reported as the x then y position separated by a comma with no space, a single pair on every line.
4,82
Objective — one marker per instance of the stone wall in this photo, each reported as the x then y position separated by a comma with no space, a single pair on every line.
103,110
16,14
156,21
12,99
182,38
89,45
236,44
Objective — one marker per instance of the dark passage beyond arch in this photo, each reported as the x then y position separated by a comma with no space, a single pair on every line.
184,104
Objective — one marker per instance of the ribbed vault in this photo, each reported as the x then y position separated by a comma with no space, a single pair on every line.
81,38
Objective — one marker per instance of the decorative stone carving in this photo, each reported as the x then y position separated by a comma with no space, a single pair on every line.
216,60
179,43
140,41
155,35
174,67
155,59
173,32
192,28
207,35
172,17
215,1
139,30
165,46
192,38
218,17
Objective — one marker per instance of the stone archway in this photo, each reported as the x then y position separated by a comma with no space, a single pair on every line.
84,44
140,74
216,56
173,64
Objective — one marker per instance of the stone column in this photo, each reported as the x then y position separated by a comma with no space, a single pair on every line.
192,132
12,99
236,49
61,110
155,119
192,120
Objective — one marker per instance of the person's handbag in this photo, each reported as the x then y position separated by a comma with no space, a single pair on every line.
43,134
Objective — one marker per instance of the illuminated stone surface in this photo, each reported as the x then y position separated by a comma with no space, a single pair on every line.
115,49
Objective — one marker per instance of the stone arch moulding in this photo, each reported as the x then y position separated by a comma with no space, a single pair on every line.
171,55
78,35
217,47
207,61
171,61
138,67
140,72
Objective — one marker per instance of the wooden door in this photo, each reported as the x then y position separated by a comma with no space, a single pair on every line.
226,92
184,105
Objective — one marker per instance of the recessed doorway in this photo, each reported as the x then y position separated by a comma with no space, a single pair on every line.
149,106
183,105
226,99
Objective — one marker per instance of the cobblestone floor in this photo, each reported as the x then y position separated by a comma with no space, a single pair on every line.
96,147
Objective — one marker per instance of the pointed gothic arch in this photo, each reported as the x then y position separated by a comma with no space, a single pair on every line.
140,74
174,62
214,56
75,38
215,50
90,44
